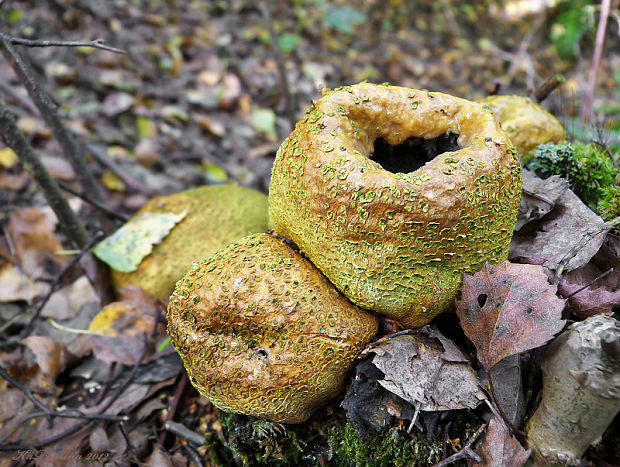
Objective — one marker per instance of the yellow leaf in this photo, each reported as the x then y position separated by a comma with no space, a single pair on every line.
112,182
8,158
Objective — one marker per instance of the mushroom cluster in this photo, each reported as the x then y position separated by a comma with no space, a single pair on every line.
390,194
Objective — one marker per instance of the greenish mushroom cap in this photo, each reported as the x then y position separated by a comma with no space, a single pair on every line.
396,243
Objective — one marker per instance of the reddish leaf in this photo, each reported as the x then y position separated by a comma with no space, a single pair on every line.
508,308
499,448
589,302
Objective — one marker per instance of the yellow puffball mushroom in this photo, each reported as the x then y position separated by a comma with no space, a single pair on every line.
526,122
216,215
262,332
393,193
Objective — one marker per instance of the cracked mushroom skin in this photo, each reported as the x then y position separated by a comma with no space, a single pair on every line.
393,236
216,215
262,332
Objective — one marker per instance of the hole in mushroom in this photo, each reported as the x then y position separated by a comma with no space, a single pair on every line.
412,153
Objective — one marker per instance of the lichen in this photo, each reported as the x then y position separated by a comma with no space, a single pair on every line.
472,199
262,332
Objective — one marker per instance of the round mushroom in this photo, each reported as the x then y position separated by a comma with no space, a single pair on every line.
393,193
262,332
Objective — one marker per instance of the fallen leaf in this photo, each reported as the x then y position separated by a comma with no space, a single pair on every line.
589,301
8,158
117,103
367,402
539,196
51,357
415,368
508,308
118,329
499,448
557,233
15,286
36,245
508,386
129,245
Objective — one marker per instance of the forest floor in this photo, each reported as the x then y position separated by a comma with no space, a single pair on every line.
199,99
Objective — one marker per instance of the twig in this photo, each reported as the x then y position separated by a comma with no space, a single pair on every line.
51,440
10,91
596,59
267,7
466,452
548,87
95,43
381,341
182,431
499,408
47,109
15,139
101,157
602,276
55,284
98,204
581,244
46,411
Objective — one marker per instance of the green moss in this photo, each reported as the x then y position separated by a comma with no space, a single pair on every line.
590,171
331,440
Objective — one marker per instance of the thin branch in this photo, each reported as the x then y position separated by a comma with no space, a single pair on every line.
47,109
95,43
15,139
55,284
596,59
602,276
466,452
20,272
98,204
46,411
548,87
608,151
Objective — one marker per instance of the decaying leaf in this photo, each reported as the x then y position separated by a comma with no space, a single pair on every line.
422,371
546,242
129,245
508,386
508,308
370,407
589,301
118,329
539,196
499,448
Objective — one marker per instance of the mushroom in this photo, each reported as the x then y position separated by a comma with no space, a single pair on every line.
393,193
262,332
526,122
216,215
